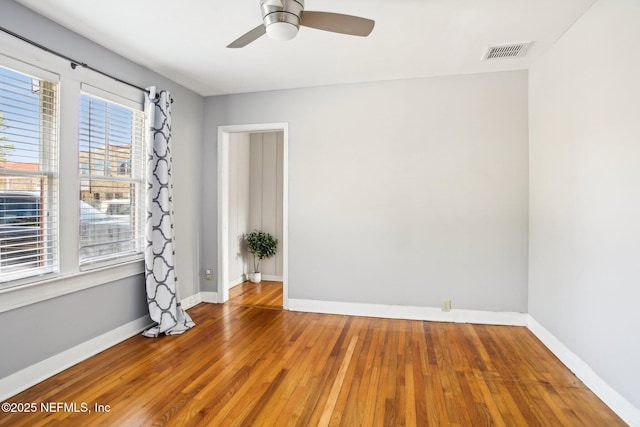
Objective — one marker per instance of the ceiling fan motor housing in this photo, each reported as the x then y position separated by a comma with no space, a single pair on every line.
286,17
282,19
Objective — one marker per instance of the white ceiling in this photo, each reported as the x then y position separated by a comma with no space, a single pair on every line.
185,40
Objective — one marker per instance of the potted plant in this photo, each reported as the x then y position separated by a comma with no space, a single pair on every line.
262,245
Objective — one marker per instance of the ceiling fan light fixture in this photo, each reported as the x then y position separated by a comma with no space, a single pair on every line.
281,30
281,20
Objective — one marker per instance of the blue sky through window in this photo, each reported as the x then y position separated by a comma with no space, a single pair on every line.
105,135
20,106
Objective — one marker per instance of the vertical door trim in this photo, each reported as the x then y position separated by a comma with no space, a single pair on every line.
223,204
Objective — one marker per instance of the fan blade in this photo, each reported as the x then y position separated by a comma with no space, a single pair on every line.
247,38
337,23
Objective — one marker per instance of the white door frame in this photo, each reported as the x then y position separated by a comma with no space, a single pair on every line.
223,204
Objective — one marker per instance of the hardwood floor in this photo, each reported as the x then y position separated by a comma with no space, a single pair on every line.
263,294
246,366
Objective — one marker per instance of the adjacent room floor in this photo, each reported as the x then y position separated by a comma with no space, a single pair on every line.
249,363
264,294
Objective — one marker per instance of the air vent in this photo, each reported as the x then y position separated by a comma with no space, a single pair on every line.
504,51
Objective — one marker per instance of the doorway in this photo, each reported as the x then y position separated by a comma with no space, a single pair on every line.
226,136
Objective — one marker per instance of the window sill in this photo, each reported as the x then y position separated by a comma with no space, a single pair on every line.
21,296
101,264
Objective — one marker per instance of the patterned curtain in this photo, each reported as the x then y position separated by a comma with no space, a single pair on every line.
161,279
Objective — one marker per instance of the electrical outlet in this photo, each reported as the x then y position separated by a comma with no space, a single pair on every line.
208,274
446,305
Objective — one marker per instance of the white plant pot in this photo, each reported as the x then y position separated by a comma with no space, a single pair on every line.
255,277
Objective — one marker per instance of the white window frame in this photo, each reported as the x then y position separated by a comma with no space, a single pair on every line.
51,220
70,278
139,216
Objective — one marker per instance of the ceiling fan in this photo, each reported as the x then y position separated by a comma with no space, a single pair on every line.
282,19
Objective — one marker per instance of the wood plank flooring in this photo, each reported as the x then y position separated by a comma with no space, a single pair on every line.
252,366
262,294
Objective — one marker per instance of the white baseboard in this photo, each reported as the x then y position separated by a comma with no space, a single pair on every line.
272,278
237,281
21,380
191,301
195,299
409,312
27,377
209,297
621,406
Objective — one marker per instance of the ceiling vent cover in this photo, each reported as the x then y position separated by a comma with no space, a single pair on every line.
504,51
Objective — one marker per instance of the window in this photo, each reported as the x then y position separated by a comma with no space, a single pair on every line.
28,173
111,135
124,167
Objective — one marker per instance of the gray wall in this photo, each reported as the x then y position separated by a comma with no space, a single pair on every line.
39,331
585,175
72,319
403,192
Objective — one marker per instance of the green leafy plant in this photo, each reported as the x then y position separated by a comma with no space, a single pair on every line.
262,245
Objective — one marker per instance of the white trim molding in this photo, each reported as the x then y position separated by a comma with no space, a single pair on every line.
223,203
618,404
238,281
20,296
195,299
409,312
191,301
29,376
621,406
209,297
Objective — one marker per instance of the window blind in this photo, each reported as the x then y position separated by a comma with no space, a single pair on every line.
111,168
28,174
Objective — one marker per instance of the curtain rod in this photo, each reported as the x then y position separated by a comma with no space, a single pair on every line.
73,62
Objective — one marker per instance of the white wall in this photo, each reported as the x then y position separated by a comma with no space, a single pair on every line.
239,206
266,194
402,192
584,186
